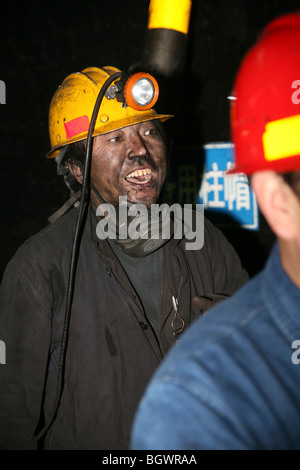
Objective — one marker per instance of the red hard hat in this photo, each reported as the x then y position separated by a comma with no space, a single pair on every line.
265,111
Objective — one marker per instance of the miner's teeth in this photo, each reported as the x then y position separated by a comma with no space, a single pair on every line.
146,180
135,173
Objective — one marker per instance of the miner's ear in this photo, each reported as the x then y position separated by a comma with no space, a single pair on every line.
75,170
278,203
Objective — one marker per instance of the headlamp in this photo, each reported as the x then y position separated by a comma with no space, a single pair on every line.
139,91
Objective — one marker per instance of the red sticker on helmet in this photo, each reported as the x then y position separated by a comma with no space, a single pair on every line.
77,126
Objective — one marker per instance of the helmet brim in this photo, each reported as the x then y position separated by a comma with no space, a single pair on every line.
109,127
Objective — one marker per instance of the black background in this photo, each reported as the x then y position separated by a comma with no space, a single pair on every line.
43,42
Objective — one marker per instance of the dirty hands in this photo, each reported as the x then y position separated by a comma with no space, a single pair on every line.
204,303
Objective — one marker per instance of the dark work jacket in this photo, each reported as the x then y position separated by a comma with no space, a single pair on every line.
112,350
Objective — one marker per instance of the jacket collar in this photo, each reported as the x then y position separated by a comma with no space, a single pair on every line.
172,243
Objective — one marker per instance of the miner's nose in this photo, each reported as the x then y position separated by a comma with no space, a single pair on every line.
137,147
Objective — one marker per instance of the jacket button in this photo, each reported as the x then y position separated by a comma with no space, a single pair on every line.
143,325
108,272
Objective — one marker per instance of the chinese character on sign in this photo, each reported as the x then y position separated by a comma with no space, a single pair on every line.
228,198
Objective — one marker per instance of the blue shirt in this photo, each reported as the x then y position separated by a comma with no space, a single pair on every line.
233,380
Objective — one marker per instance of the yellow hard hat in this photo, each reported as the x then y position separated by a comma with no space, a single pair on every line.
72,105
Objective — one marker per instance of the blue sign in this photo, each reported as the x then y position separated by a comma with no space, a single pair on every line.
228,199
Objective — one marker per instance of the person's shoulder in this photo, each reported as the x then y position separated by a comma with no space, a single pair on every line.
53,238
202,236
213,232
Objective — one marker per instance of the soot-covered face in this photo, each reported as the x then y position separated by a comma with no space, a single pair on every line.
129,162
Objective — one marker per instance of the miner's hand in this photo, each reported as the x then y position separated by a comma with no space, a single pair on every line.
204,303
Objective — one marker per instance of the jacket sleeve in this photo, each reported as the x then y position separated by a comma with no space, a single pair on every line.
25,329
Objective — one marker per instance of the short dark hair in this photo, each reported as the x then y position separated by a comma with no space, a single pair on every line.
293,180
75,153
